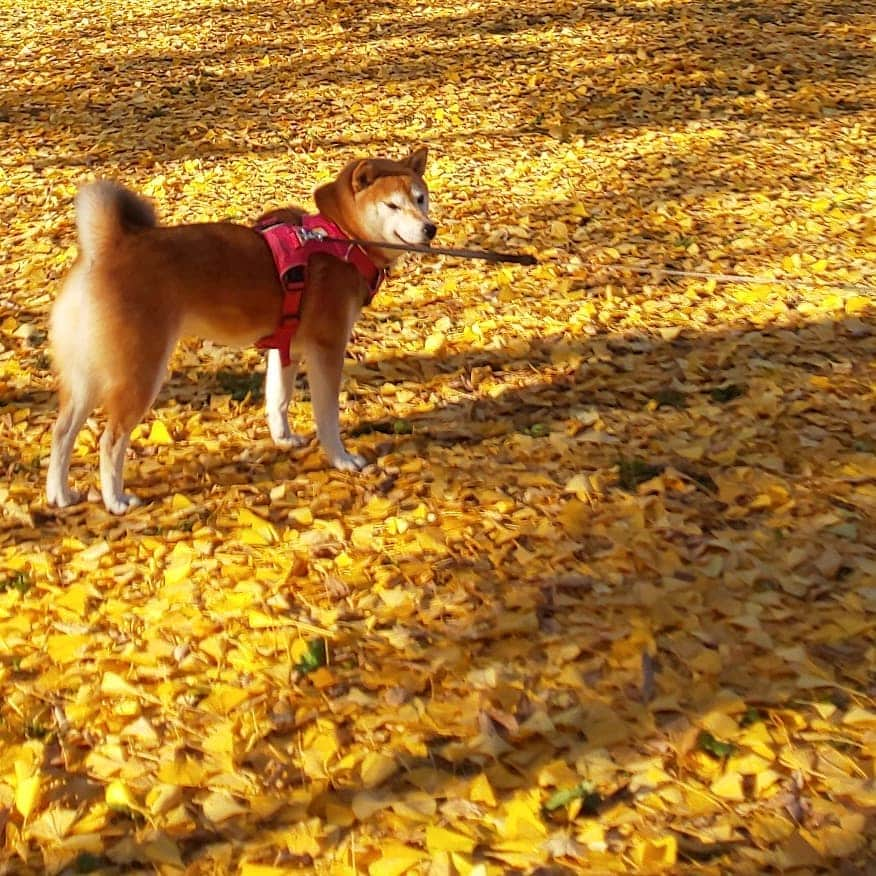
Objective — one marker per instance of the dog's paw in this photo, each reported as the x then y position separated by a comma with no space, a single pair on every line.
349,462
63,498
122,504
290,441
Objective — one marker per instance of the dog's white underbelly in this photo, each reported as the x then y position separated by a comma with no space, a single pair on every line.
220,332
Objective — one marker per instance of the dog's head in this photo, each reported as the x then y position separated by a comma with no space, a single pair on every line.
378,199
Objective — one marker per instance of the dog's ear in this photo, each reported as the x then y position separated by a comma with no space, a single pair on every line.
416,161
364,173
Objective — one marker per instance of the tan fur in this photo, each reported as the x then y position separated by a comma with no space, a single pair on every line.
136,288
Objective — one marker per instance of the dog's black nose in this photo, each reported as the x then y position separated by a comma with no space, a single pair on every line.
430,230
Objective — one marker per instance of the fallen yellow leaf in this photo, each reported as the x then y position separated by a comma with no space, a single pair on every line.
441,839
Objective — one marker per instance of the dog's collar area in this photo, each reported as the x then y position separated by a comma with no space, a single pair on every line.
371,268
331,232
292,246
369,264
318,234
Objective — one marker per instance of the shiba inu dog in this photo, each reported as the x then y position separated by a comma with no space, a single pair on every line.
137,287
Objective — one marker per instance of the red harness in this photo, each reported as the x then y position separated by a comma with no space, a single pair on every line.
292,246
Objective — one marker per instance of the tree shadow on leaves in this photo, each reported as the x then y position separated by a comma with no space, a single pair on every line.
786,62
704,498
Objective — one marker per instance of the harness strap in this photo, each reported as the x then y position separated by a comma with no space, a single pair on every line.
292,247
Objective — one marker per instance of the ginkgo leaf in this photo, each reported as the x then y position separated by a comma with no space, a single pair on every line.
219,806
256,529
729,786
163,850
27,793
159,434
162,798
481,792
53,825
113,684
66,647
434,342
119,797
523,817
366,803
377,768
655,855
180,502
395,859
440,839
185,771
142,731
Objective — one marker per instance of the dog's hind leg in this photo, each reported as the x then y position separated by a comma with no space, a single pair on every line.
126,403
70,327
279,390
324,368
76,403
113,444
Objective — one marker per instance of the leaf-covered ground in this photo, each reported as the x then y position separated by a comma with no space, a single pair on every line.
605,603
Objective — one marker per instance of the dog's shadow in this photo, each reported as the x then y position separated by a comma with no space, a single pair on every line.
612,399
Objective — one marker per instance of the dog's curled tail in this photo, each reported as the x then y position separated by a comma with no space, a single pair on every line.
105,211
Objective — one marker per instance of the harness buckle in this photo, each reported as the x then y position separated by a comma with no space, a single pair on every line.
306,235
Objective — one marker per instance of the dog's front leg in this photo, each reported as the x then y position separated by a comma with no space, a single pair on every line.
279,389
324,367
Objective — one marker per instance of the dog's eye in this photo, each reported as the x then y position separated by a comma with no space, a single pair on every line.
392,206
421,199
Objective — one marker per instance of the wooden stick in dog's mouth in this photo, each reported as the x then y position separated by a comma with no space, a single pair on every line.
486,255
